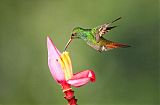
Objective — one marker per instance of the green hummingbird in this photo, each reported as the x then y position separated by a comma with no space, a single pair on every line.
94,37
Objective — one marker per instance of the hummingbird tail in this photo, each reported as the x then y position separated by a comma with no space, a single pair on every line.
116,45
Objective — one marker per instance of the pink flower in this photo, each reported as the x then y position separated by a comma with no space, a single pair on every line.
61,68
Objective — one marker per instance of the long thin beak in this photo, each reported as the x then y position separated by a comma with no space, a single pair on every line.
68,43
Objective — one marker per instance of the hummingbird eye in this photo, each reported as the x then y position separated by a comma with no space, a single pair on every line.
72,34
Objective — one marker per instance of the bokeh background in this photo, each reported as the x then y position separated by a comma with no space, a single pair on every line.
124,76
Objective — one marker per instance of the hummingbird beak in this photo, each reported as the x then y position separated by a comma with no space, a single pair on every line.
68,43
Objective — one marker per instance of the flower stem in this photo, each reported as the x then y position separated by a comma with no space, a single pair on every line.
69,94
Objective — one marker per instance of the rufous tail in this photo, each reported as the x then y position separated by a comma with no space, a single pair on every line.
116,45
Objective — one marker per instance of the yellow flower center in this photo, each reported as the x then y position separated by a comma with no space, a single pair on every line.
66,65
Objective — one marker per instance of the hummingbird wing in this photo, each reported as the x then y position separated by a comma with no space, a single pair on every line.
101,45
100,48
101,30
94,45
105,45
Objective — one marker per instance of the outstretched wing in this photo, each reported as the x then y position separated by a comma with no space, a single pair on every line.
101,30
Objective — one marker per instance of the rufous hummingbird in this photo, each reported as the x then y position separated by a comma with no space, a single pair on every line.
94,37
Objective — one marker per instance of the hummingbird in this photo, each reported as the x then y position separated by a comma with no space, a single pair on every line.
94,37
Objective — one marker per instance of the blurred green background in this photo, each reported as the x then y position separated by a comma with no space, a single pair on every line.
124,76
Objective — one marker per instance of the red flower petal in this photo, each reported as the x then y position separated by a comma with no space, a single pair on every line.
54,66
82,78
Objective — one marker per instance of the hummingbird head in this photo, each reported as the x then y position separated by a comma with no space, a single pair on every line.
76,32
74,35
